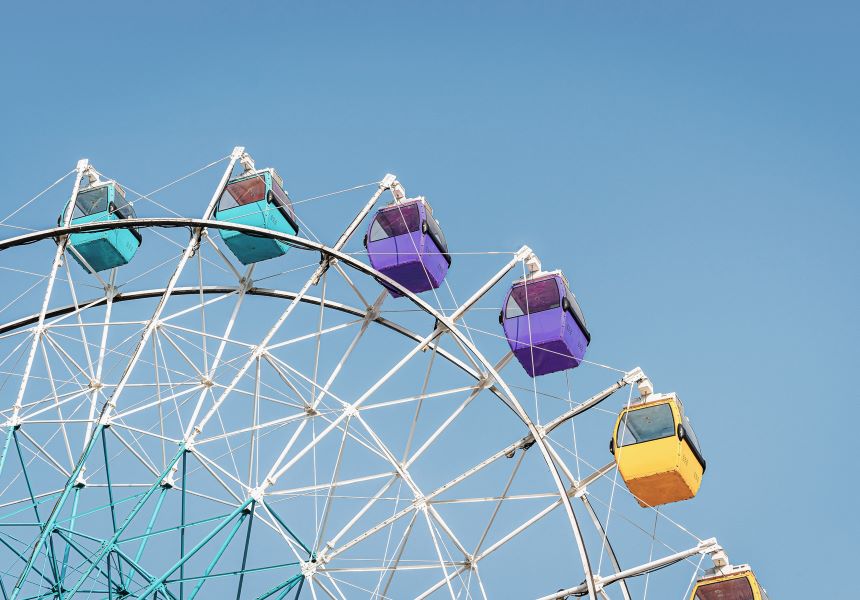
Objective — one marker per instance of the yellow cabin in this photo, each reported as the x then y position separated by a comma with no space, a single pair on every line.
656,451
729,583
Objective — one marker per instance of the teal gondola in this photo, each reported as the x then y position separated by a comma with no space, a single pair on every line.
256,198
102,250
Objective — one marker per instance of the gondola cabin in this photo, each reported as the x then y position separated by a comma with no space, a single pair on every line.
657,452
256,198
102,250
404,242
730,583
544,325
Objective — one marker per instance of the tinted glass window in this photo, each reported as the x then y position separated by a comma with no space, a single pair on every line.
646,424
244,191
691,435
436,234
90,202
282,198
395,221
730,589
533,297
121,206
576,309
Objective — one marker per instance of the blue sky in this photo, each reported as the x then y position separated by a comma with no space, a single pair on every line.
693,167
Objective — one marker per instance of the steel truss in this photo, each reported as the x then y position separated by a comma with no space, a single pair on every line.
63,561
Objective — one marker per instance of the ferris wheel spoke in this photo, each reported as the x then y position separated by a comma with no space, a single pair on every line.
353,287
407,478
40,453
441,583
39,329
435,538
77,313
475,391
212,466
139,455
239,277
498,506
323,522
393,565
610,551
58,407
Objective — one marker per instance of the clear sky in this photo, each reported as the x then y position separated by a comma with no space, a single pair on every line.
693,166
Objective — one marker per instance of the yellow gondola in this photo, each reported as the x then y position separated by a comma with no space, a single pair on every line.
729,583
656,451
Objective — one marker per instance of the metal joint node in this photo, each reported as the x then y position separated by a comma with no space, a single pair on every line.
80,482
388,181
487,380
257,494
168,482
372,313
309,568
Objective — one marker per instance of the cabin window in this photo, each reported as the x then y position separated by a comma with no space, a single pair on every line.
90,202
533,297
437,235
646,424
244,191
730,589
691,435
282,199
395,221
122,207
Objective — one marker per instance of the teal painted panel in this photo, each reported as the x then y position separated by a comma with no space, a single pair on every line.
249,248
103,250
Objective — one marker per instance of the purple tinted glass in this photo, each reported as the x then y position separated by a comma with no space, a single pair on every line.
532,298
395,221
730,589
244,191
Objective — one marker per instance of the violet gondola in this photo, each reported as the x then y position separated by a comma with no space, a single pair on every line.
544,325
405,243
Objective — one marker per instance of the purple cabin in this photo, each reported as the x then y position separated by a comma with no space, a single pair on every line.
405,243
544,325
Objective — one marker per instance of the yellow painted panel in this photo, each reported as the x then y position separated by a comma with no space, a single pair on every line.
659,471
648,458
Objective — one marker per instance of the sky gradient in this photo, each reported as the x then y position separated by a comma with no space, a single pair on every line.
692,166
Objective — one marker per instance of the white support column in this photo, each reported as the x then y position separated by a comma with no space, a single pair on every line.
82,167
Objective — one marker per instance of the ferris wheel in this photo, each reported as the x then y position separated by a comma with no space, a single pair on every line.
226,406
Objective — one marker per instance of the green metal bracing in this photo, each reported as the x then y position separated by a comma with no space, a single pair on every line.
108,563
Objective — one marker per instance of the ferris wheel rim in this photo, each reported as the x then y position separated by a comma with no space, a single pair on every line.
328,254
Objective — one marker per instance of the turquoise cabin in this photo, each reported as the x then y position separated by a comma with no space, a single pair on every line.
256,198
102,250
